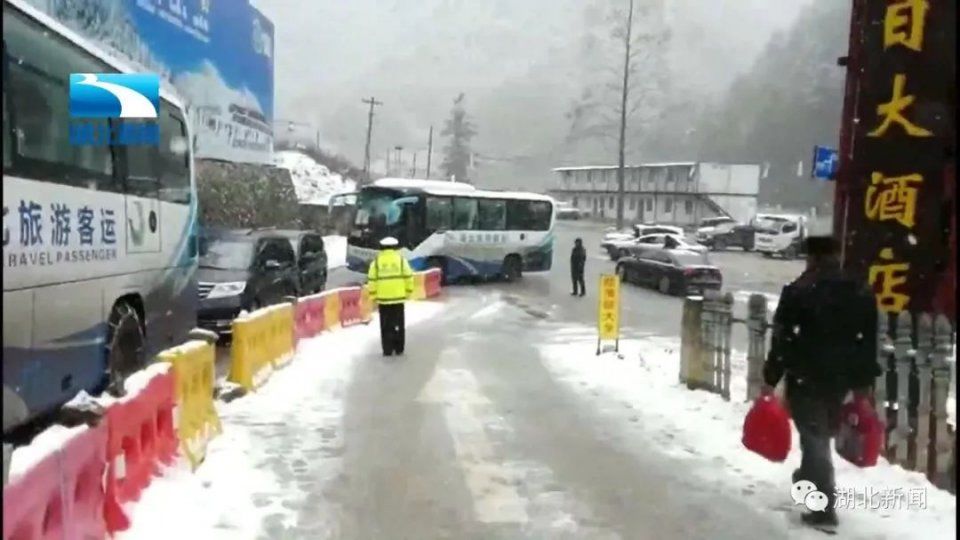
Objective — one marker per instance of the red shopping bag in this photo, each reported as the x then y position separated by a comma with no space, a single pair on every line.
766,429
860,437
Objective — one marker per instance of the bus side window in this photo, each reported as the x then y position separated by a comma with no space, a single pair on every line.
141,175
492,214
464,214
38,68
439,214
174,157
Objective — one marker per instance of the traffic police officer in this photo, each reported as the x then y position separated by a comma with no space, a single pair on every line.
390,283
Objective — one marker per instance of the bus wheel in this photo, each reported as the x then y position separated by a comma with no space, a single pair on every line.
512,268
125,344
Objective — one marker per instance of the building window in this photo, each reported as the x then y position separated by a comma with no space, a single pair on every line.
633,203
649,205
688,207
575,202
612,202
668,205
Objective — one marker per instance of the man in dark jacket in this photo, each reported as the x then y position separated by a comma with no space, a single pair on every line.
824,343
578,259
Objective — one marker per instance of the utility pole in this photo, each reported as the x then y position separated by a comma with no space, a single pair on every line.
623,117
399,150
429,151
414,173
366,153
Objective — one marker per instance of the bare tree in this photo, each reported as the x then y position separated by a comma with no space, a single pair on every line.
627,76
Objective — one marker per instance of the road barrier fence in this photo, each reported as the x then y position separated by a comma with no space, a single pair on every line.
915,354
78,488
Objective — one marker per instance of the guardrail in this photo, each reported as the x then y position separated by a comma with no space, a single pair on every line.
78,488
910,395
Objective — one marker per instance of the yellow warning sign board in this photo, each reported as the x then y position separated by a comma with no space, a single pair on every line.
608,312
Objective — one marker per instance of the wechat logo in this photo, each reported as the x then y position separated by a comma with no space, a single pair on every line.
806,493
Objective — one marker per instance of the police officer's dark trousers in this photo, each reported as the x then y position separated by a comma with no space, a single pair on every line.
392,328
815,414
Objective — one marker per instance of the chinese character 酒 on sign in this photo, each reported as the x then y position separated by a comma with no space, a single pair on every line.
892,198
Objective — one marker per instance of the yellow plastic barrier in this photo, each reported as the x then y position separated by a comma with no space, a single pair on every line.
262,341
367,305
196,417
331,310
419,289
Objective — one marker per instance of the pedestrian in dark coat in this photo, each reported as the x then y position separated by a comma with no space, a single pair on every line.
578,260
824,344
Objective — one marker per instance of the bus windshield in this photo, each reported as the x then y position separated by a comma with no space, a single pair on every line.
381,213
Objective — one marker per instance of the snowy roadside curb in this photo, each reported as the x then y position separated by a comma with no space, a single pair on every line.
640,387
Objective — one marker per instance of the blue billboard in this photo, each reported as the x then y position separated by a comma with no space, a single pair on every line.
217,53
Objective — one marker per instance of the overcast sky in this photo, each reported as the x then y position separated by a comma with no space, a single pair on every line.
514,59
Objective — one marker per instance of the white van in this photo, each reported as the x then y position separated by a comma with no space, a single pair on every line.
780,234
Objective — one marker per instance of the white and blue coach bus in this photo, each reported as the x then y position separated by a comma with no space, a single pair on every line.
99,241
464,231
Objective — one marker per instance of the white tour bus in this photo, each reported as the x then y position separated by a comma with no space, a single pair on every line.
455,227
99,242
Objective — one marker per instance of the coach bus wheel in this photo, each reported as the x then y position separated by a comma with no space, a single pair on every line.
125,344
512,269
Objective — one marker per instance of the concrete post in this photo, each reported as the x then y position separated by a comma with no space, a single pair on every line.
757,343
903,350
690,340
724,335
944,441
924,376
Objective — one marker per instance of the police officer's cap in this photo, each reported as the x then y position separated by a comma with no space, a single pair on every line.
821,246
389,242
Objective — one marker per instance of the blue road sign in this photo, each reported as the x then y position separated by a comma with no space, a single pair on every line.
825,163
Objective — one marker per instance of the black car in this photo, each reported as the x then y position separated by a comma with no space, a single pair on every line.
242,270
311,259
670,271
740,236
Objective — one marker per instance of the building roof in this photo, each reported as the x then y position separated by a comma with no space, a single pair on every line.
614,167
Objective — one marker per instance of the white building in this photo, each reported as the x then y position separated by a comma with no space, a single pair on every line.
674,193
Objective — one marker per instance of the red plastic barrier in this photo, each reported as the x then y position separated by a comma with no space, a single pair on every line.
318,315
351,311
33,508
301,319
140,437
309,316
432,282
83,461
766,429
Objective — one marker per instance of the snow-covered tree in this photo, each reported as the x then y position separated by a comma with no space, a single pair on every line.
459,130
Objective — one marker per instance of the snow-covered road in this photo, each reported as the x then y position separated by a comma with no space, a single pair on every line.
500,422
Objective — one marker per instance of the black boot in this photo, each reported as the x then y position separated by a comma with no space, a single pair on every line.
827,519
796,476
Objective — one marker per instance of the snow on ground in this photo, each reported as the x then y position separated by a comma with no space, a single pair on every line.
313,182
258,472
702,430
336,248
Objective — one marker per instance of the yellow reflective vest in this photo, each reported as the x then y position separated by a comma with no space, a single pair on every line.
390,279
